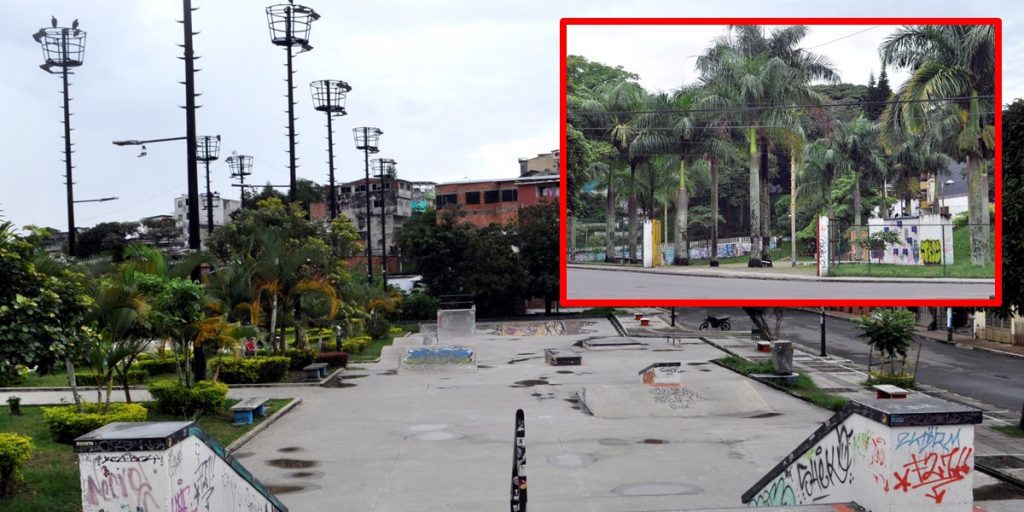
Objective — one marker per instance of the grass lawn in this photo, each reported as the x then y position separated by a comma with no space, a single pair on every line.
961,266
51,476
803,387
1010,430
372,351
60,379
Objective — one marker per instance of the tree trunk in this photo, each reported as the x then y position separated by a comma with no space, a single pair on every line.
609,223
856,213
273,321
766,206
755,204
883,209
977,211
682,256
73,382
792,207
714,210
110,390
632,230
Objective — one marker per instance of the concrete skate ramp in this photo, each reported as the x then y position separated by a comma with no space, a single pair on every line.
697,399
454,324
438,358
540,328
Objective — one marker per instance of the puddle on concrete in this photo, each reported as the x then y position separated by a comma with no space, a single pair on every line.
285,489
571,460
306,474
704,370
514,361
572,400
998,492
242,455
610,441
656,489
653,441
292,463
526,354
766,415
289,449
697,363
530,383
536,394
563,372
484,366
346,377
389,372
344,385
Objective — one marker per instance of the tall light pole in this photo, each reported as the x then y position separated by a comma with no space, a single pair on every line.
329,97
366,138
384,168
208,150
289,27
241,166
64,48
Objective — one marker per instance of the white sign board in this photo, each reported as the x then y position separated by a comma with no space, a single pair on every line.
823,255
648,244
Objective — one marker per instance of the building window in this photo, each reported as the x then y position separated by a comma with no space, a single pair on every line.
510,195
472,197
346,190
549,191
446,199
491,196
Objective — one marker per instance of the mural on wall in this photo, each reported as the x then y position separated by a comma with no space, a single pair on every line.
925,240
546,328
863,461
434,355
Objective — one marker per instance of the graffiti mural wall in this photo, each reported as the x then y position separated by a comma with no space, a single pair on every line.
881,468
546,328
925,240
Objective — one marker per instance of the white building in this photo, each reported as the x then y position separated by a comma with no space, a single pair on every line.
222,210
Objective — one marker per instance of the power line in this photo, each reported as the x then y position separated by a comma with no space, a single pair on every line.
844,37
716,126
778,107
125,207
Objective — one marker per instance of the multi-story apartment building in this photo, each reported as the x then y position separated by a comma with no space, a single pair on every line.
222,210
398,207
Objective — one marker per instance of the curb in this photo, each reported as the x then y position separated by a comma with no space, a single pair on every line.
786,277
262,426
335,373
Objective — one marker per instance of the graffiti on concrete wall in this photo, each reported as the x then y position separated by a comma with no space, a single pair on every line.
925,240
438,355
675,397
546,328
120,481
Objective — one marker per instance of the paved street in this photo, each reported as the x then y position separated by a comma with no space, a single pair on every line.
991,378
618,284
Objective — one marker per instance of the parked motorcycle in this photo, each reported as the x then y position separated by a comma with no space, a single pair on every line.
718,322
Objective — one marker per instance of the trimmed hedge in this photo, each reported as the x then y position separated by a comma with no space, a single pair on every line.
299,359
204,397
254,370
135,376
66,423
355,344
15,450
333,359
158,366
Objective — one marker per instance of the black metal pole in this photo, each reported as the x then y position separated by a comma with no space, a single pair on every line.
673,316
331,194
72,236
209,198
190,132
823,353
383,226
241,180
369,218
291,104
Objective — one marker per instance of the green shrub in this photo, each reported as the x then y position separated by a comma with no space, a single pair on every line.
395,331
158,366
299,359
419,306
377,326
66,423
15,450
355,344
135,376
254,370
204,397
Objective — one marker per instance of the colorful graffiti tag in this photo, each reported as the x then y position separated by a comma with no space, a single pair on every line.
452,354
547,328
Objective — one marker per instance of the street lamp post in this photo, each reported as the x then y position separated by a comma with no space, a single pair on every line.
329,97
384,168
289,26
366,138
241,166
64,48
208,150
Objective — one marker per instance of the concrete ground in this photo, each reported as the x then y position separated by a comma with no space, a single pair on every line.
397,441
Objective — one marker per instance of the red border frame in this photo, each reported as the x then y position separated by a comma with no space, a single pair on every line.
996,300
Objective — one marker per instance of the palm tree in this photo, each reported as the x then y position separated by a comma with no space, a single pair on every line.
912,155
613,107
951,61
822,165
859,142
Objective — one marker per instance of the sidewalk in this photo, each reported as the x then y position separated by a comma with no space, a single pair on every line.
959,339
780,273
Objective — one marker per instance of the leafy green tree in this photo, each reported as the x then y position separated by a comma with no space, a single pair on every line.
1013,211
538,241
950,61
437,243
890,332
495,274
106,238
584,75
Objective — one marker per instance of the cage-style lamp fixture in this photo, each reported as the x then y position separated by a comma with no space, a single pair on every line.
63,47
289,24
329,96
207,148
383,168
367,138
240,165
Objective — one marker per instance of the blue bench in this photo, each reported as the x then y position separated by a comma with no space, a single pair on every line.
316,371
243,411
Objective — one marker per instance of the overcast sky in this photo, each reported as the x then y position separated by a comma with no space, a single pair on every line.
461,88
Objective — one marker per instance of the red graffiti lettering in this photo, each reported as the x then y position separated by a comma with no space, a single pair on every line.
934,471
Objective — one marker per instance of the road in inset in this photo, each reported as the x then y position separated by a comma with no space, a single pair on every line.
617,284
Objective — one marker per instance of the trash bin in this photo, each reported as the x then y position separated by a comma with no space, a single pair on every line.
755,333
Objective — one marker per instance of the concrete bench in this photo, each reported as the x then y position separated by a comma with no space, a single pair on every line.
315,371
243,411
764,346
645,322
889,391
562,357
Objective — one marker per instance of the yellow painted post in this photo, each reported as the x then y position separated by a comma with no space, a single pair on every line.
656,238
